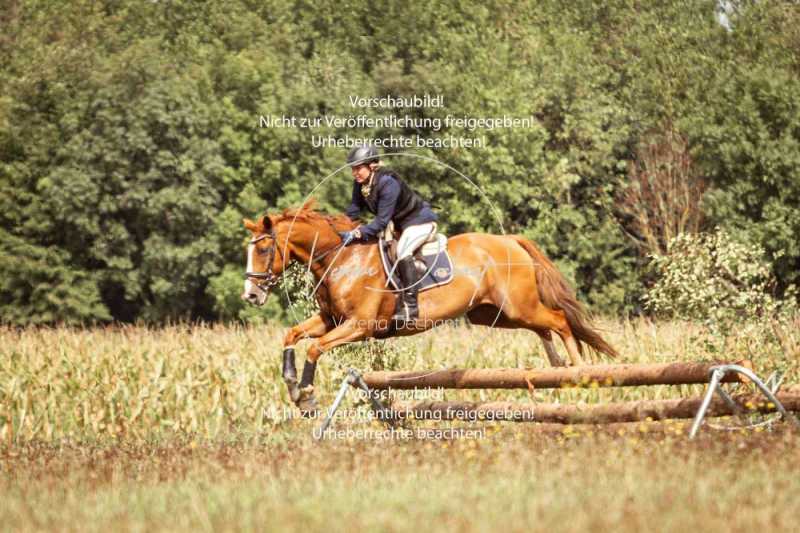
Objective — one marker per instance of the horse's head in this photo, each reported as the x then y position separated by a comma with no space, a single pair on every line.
266,259
302,234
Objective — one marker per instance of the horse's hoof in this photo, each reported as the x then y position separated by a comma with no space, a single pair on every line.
307,403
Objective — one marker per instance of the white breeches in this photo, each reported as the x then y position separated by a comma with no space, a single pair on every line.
413,237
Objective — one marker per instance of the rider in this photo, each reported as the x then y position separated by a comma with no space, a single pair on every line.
382,192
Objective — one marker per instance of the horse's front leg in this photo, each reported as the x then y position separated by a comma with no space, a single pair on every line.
311,328
349,331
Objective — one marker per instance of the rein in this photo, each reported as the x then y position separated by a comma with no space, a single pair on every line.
270,279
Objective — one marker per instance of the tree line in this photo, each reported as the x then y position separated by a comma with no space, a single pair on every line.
130,143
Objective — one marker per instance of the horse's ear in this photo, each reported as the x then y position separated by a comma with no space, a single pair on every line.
266,222
250,225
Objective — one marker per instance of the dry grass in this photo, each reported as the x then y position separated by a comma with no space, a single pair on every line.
514,479
184,428
134,383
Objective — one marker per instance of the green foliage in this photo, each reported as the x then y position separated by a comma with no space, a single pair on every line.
717,280
130,146
290,302
38,285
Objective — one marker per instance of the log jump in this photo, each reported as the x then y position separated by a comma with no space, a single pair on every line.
621,375
646,410
627,375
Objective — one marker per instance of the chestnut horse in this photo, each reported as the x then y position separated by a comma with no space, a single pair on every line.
499,280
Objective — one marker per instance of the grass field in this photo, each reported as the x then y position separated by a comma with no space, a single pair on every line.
189,428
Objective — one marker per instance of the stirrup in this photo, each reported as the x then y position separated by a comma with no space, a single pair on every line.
399,307
401,316
406,315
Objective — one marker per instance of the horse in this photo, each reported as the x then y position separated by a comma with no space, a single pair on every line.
499,280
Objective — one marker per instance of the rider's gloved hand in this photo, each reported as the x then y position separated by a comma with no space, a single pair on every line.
348,237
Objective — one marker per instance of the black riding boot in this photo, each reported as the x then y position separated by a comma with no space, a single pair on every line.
407,309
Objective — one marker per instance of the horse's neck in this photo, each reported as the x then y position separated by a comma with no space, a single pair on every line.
332,259
322,240
315,247
320,244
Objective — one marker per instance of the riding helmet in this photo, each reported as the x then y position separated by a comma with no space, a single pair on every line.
362,154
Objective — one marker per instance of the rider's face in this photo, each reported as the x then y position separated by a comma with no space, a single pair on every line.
361,173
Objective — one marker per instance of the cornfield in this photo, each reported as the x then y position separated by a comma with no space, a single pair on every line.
133,383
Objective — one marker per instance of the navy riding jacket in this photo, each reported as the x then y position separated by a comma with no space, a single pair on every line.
387,188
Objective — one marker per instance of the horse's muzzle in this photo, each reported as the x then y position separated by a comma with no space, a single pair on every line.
257,299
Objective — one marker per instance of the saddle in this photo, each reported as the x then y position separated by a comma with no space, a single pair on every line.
434,266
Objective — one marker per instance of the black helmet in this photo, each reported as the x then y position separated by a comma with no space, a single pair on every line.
362,154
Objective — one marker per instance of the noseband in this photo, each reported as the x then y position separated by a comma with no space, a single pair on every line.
269,279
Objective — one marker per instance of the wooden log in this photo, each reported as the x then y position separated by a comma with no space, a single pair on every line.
549,378
585,414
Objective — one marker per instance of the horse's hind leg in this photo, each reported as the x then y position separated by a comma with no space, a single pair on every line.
558,322
489,315
550,349
542,318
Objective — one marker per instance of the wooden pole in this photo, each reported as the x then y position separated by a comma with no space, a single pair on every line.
586,414
549,378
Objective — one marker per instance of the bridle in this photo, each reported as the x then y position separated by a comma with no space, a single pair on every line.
269,279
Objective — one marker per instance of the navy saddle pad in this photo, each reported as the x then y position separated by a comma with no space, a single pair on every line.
437,270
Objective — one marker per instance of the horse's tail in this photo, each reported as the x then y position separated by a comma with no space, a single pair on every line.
555,293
